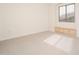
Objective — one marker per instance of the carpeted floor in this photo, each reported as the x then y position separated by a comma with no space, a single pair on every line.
33,45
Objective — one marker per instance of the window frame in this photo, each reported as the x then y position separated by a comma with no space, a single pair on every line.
66,13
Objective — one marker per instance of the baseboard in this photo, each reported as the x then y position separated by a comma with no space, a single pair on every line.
12,37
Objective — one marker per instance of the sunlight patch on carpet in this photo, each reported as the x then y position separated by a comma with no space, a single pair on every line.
60,41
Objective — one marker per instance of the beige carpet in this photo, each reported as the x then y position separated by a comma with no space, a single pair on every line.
62,42
30,45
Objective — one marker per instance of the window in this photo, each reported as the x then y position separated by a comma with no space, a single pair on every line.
66,13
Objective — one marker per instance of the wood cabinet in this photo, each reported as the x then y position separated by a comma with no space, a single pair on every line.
66,31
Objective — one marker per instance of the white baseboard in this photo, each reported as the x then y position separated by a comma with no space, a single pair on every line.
11,37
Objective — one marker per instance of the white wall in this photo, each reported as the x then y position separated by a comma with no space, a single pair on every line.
0,28
1,24
77,18
52,16
23,19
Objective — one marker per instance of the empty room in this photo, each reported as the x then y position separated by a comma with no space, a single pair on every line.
39,28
